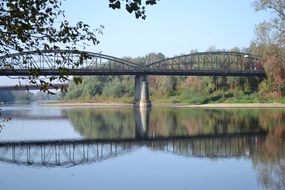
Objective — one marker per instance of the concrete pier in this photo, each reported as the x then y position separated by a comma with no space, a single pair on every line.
142,122
141,98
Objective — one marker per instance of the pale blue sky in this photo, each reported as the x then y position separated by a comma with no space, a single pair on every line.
171,27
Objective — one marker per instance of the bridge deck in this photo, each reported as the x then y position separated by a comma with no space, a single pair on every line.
173,72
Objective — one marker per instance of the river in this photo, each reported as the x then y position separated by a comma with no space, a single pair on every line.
85,147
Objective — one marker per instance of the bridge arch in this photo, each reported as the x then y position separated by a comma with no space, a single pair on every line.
214,63
69,59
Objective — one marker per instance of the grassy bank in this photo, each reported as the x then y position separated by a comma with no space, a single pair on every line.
98,99
213,99
218,97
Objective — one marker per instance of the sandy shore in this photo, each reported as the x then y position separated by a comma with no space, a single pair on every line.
219,105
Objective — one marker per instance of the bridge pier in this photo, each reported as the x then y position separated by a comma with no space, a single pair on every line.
141,98
142,122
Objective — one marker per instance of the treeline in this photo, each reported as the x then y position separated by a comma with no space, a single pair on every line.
101,86
19,97
25,96
119,123
186,89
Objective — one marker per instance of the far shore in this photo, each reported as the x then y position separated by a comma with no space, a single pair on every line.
178,105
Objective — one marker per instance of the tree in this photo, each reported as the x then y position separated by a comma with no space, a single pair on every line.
270,43
32,25
24,97
7,97
133,6
27,25
272,31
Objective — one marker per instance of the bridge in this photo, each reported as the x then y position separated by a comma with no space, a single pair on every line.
68,153
73,62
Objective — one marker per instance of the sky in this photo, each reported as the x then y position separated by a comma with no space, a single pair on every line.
171,27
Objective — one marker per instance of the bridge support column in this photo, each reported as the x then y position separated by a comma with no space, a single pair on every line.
141,98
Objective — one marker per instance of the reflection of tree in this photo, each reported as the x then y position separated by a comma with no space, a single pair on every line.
269,161
267,153
166,122
178,122
102,123
211,147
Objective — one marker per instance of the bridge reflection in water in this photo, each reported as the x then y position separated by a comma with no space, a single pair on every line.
68,153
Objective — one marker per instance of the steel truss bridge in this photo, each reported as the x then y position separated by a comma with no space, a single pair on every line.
68,153
71,62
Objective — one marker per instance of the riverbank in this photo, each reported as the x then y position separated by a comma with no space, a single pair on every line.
226,105
215,105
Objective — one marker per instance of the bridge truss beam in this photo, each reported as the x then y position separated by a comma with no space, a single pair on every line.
71,62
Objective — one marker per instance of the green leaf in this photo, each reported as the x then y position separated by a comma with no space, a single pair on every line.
77,80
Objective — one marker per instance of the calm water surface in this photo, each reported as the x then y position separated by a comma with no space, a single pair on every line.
46,147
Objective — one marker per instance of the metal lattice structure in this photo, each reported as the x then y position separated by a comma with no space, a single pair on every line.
72,153
72,62
61,153
65,62
208,64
